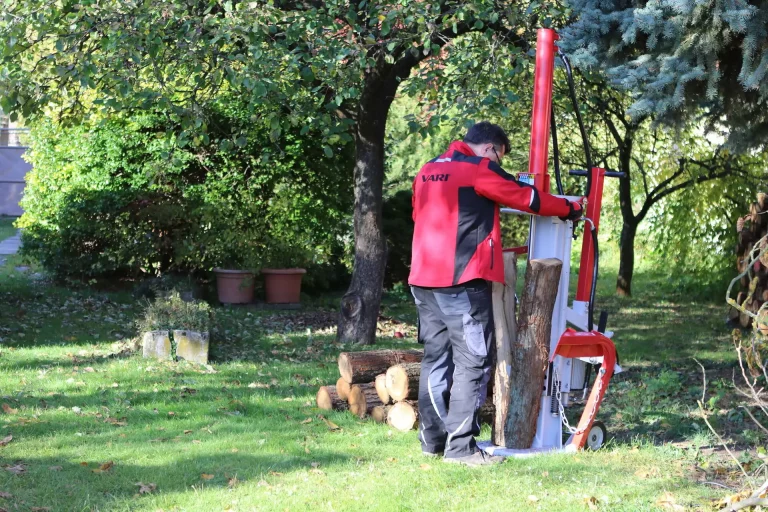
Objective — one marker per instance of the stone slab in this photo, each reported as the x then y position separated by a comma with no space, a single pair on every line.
192,346
156,344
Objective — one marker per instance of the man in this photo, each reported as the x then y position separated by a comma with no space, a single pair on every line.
456,252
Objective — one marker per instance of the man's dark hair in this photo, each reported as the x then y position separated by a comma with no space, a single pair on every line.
485,132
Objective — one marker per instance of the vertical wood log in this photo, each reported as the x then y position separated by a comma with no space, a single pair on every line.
381,388
506,334
530,353
402,381
328,399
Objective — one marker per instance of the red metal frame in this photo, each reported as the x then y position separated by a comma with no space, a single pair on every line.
517,250
594,204
588,344
542,107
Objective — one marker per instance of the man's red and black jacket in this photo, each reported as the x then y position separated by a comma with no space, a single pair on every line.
457,236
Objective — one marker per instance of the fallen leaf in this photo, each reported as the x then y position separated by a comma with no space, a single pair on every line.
196,441
391,459
17,469
55,468
667,501
234,450
7,409
331,425
187,431
545,474
591,502
425,467
104,467
315,464
146,488
275,473
83,463
5,495
88,370
232,482
171,413
6,440
206,476
533,498
308,420
316,471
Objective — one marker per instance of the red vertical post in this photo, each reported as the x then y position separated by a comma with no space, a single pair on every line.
594,203
542,107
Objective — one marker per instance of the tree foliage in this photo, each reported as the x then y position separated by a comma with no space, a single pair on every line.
680,59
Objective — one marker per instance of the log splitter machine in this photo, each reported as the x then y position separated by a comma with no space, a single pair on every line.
573,350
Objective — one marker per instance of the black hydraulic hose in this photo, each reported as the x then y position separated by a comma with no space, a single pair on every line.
595,267
555,152
575,101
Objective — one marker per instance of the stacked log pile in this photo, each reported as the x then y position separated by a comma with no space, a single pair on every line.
752,230
381,384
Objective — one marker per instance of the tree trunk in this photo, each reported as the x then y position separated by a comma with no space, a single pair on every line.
363,398
506,335
381,388
358,367
402,416
360,305
626,260
403,381
328,399
530,354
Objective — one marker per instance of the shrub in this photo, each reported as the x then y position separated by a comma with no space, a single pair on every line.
171,312
124,197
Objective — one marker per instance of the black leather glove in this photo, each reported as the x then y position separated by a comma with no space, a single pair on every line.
575,213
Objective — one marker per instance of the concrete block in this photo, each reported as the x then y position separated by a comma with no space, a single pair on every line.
156,344
192,346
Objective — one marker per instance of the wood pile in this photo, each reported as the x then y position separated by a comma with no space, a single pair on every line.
381,384
752,230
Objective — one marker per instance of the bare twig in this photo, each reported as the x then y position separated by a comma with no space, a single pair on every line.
720,439
754,419
718,484
703,376
749,502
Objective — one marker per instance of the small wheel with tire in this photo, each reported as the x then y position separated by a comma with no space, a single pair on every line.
597,436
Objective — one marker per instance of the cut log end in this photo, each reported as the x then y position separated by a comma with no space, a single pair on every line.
342,388
328,399
362,399
381,388
402,416
402,381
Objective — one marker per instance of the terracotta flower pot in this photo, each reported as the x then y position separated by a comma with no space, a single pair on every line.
234,286
283,285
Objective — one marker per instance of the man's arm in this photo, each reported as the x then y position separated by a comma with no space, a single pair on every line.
495,183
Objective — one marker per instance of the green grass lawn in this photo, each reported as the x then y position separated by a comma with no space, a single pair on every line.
243,433
6,227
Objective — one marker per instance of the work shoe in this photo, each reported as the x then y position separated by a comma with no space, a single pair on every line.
477,459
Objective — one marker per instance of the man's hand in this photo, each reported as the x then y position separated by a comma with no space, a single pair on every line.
575,213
